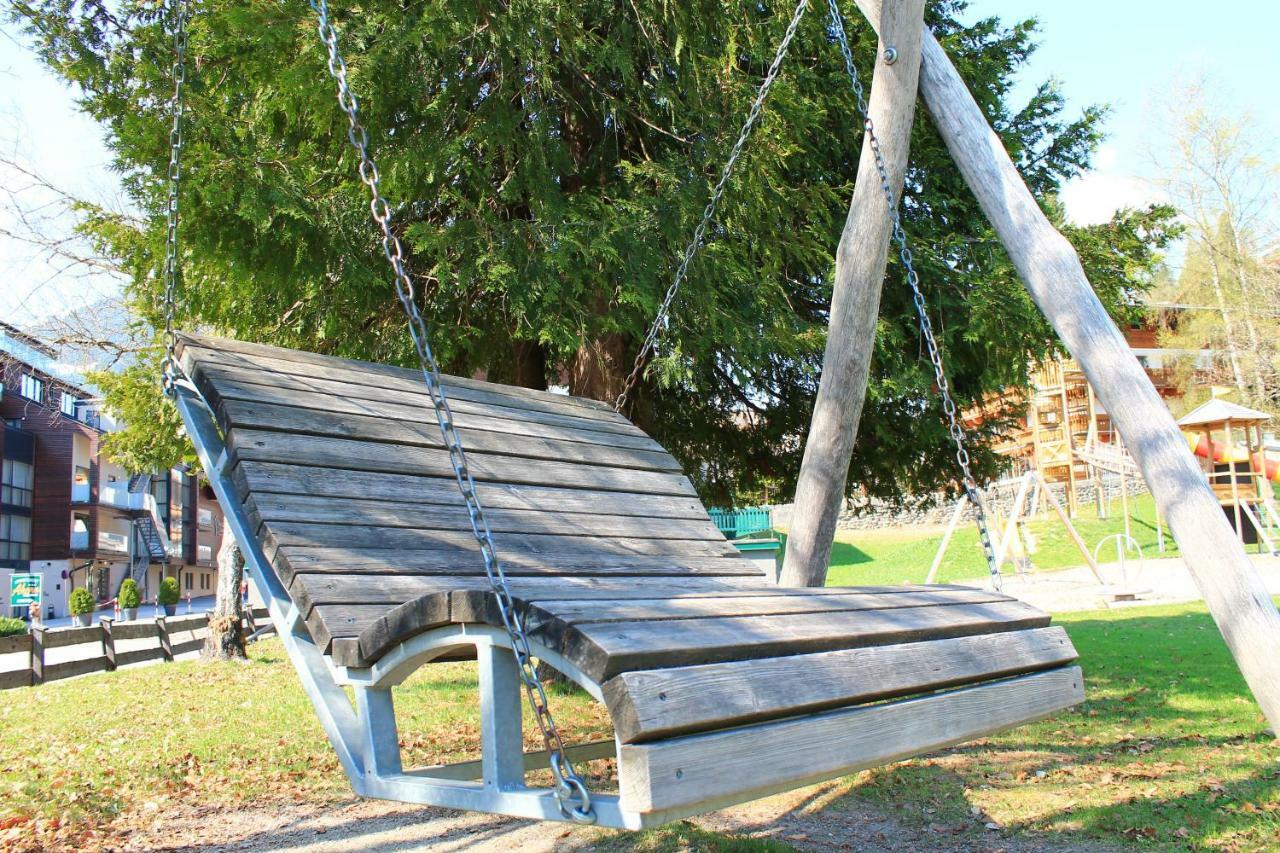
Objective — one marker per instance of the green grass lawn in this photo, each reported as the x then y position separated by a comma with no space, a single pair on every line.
903,555
1169,748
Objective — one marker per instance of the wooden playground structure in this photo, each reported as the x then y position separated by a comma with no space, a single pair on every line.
1227,438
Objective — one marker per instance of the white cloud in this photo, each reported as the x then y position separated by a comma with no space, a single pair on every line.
1096,195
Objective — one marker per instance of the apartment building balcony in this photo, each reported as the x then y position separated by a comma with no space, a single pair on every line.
111,543
115,496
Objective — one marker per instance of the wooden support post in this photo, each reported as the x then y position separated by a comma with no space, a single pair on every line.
1073,498
1124,504
1159,530
855,306
106,623
1015,515
37,653
1050,268
1071,529
166,645
961,503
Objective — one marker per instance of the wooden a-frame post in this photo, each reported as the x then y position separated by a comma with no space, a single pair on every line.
855,304
1050,270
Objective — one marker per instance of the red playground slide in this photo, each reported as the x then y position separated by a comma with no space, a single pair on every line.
1260,463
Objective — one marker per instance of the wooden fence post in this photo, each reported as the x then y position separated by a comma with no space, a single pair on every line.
1050,270
108,642
166,645
37,654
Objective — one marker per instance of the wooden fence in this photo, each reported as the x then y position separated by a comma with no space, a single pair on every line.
110,645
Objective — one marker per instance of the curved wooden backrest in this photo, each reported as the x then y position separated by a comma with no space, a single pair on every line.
341,465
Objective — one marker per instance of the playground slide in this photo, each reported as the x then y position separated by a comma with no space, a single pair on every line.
1200,446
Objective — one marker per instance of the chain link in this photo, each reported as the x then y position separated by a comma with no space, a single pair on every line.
708,213
954,427
570,790
170,369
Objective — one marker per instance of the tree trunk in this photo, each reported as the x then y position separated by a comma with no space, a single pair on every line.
600,367
226,623
1233,356
855,305
1258,356
529,365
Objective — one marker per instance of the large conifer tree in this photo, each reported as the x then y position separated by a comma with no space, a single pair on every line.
547,161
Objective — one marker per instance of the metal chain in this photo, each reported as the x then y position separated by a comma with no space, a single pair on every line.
954,428
570,790
171,370
709,212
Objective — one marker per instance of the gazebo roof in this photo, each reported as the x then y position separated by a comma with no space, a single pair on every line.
1220,411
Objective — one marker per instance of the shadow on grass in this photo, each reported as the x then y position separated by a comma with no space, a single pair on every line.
842,553
1169,747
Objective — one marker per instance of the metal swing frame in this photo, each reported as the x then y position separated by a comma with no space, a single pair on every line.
366,737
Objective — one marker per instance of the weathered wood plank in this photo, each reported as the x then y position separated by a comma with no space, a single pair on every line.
276,478
72,668
188,646
240,414
55,638
783,602
359,562
468,592
134,630
216,382
16,643
338,379
341,453
607,649
855,302
383,624
257,352
272,509
139,655
661,703
303,535
466,415
15,678
709,771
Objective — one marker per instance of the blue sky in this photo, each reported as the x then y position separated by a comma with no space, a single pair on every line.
1118,52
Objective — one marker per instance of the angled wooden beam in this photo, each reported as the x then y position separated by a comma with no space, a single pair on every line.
1051,271
855,305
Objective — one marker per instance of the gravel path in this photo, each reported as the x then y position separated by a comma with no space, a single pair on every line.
811,819
1151,581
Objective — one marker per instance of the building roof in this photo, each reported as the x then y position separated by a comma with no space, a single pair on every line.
1217,411
25,349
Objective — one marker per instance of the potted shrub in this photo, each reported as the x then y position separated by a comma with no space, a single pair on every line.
129,600
82,606
168,595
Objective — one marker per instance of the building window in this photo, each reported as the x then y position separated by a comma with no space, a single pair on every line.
69,405
15,537
32,388
190,582
16,482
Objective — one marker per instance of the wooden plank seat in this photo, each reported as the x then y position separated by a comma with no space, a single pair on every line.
615,566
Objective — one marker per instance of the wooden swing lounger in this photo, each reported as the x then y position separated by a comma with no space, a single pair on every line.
721,687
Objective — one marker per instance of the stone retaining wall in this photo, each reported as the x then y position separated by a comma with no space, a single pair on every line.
880,514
